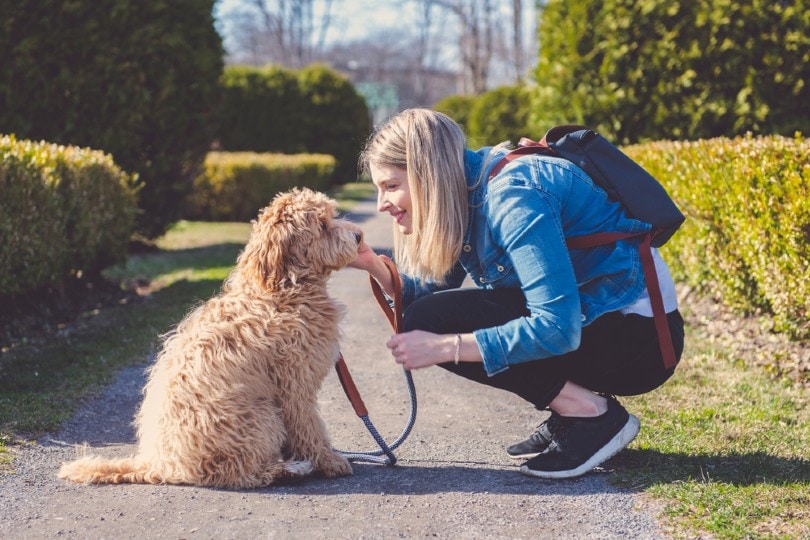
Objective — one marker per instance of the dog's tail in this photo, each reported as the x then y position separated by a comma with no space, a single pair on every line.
97,470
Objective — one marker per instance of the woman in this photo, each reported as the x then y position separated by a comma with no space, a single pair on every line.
565,330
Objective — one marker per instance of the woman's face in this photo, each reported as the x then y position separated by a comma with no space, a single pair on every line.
393,194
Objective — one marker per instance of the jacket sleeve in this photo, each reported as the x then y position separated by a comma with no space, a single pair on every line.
526,222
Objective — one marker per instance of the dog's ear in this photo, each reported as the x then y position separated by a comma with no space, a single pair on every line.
263,260
276,254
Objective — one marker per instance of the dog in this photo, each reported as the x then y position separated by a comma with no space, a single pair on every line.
231,400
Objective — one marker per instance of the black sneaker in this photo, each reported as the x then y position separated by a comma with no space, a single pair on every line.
538,441
580,444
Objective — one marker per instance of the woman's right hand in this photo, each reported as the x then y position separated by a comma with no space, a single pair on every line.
366,258
370,262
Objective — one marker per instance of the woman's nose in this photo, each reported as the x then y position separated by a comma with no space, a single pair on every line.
382,202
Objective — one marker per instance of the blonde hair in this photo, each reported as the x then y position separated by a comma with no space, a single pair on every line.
429,146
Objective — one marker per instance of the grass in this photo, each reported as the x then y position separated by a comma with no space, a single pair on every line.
723,450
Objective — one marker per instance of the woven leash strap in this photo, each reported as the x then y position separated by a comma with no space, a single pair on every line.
394,315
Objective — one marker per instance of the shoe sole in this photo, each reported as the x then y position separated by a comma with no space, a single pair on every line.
524,456
618,443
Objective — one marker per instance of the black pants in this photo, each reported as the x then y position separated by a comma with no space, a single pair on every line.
618,354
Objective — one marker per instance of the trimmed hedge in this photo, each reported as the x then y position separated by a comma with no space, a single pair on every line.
63,211
138,80
746,240
234,186
275,109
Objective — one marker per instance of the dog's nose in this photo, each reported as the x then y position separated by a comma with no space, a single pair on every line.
359,237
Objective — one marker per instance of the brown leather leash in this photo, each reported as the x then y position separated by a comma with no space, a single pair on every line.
394,315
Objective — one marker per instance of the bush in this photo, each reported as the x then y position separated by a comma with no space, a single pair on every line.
746,239
274,109
458,108
501,115
137,80
63,211
260,110
336,120
234,186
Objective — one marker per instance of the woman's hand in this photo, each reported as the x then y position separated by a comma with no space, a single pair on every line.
419,349
366,258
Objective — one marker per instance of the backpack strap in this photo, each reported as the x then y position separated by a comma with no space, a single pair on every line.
650,278
525,147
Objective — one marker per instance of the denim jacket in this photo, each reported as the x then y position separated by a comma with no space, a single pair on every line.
515,237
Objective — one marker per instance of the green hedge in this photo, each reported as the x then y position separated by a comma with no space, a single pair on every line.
501,115
138,80
234,186
747,235
274,109
63,210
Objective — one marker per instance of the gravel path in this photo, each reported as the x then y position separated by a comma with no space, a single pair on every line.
453,479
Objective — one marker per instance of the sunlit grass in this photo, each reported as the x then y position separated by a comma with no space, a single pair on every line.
724,447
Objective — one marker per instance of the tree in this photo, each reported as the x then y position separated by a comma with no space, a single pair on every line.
282,32
483,25
682,69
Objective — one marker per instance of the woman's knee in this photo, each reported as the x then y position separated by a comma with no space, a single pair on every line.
423,314
464,310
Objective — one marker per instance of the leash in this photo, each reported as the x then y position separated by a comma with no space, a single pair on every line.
394,315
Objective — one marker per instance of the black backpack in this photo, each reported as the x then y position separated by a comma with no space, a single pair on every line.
626,182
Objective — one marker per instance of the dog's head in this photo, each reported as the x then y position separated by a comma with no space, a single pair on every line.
296,239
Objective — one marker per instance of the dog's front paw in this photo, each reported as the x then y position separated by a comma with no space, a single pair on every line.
334,465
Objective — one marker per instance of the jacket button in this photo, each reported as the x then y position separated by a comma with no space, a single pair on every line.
582,317
481,279
466,248
500,268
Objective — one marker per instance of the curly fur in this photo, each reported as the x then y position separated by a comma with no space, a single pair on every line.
231,400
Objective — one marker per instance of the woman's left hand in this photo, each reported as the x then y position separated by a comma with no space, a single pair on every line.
419,349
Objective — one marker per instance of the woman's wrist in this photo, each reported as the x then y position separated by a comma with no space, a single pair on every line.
463,348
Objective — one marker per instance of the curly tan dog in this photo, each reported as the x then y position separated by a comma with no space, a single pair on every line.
232,399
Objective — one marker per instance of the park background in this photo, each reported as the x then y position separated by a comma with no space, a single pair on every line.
123,122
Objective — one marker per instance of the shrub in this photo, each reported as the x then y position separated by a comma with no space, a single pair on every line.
747,235
336,120
137,80
63,211
234,186
260,110
458,108
501,115
275,109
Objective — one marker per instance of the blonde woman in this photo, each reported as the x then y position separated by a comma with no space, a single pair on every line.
565,330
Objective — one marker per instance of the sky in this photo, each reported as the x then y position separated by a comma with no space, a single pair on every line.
351,19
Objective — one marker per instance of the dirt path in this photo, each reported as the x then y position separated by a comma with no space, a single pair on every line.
453,479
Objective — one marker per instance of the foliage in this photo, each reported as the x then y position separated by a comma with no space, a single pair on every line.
260,110
234,186
747,235
137,80
457,107
63,211
337,121
500,115
675,69
274,109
